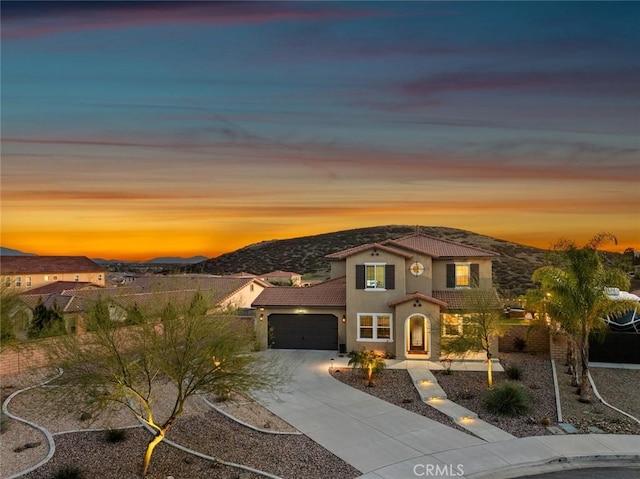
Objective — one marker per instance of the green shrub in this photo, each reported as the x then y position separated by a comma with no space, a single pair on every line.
115,435
68,472
513,372
508,399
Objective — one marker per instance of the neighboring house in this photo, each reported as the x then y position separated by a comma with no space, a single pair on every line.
398,296
285,278
28,272
151,293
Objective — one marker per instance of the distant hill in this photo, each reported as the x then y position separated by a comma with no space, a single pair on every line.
177,260
512,269
13,252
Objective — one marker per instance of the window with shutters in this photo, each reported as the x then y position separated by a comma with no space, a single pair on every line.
375,276
463,275
374,327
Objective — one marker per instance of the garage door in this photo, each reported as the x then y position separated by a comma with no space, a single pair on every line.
304,331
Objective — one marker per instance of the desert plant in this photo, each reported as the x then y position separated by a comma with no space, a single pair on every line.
115,435
446,366
68,472
196,352
519,344
545,421
369,361
513,372
508,399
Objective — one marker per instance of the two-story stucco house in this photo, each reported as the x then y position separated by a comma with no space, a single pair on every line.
399,296
27,272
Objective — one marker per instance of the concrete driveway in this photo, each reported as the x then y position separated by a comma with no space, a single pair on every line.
386,441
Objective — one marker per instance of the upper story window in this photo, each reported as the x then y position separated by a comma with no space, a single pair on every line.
46,277
463,275
18,281
28,283
76,278
375,276
7,281
99,277
374,327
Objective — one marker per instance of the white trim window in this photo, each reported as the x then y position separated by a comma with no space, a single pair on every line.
374,274
375,327
452,325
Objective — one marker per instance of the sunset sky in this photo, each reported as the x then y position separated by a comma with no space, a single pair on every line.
140,129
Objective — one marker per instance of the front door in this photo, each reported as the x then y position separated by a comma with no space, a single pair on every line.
416,334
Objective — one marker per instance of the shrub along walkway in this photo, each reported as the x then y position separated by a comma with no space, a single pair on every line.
431,393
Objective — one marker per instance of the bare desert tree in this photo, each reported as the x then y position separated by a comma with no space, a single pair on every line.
178,353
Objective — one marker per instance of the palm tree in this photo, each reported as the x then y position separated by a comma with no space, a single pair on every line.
577,298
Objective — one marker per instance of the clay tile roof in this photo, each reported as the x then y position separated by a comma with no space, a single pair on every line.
331,293
414,296
61,286
288,274
48,264
339,255
456,298
438,248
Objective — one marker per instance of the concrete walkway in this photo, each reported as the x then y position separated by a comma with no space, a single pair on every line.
431,393
386,441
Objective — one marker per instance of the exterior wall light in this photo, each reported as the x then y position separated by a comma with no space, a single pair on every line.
344,318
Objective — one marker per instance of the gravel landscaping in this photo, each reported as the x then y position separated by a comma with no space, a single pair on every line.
290,456
619,387
200,428
468,389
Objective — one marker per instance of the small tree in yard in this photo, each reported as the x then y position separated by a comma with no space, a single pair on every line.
577,298
481,323
369,361
186,353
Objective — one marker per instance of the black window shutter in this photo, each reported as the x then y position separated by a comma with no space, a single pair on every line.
475,275
451,276
390,276
359,276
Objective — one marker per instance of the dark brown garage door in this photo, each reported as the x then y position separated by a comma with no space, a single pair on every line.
304,331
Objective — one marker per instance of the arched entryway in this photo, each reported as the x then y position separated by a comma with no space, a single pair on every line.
417,335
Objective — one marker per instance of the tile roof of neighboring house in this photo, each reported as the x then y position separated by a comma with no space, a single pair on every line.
48,264
330,293
438,248
150,294
50,300
456,299
339,255
414,296
60,286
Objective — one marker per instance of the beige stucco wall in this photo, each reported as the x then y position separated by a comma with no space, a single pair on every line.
338,269
244,297
440,272
424,282
39,279
363,301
